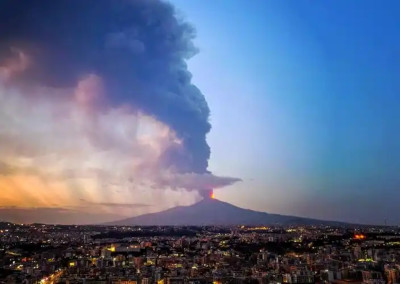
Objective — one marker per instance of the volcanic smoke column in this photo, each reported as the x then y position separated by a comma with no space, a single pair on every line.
138,48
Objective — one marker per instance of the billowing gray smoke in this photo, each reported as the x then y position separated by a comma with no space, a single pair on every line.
138,47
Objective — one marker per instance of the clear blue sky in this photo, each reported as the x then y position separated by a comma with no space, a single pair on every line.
304,99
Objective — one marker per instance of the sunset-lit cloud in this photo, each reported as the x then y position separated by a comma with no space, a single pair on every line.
57,150
73,151
107,115
15,64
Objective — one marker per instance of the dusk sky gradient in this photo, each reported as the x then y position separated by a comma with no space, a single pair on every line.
303,99
304,104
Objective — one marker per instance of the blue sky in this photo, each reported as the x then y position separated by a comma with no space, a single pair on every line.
304,104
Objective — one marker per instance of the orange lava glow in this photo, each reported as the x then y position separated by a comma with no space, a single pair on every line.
212,196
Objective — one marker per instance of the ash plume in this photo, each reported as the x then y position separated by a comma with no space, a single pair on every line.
137,48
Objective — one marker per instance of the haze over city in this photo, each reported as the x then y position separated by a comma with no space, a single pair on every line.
134,107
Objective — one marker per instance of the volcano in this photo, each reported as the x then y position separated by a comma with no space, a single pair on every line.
210,211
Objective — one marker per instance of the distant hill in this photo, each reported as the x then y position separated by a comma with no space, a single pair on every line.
215,212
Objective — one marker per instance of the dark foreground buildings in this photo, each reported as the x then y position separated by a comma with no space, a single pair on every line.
88,254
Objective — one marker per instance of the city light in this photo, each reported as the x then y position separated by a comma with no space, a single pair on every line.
359,236
164,254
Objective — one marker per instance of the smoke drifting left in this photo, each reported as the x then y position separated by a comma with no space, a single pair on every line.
101,90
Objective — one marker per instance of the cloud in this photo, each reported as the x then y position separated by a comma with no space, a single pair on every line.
12,66
60,142
100,108
192,181
62,150
138,48
5,169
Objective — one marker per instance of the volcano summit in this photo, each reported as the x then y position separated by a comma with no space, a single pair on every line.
210,211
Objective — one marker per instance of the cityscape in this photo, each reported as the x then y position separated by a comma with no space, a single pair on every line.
39,253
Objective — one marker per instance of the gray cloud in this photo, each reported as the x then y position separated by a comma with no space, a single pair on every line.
192,181
138,48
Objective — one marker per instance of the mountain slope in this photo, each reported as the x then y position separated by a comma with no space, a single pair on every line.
215,212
